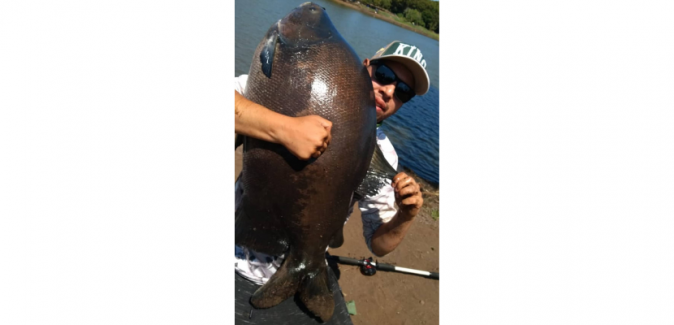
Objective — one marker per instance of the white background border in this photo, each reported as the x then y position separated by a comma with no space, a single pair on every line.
556,162
116,134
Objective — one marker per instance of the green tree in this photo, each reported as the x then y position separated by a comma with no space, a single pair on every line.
418,5
414,16
398,6
425,13
432,19
386,4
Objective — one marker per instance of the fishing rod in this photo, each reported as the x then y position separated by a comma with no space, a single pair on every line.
370,267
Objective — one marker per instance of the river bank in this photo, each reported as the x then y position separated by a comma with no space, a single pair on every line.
388,17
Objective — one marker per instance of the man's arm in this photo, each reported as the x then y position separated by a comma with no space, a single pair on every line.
305,137
409,200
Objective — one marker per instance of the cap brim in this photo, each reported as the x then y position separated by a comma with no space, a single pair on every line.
421,80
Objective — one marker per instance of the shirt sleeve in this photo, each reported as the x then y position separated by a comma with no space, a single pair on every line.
240,83
380,208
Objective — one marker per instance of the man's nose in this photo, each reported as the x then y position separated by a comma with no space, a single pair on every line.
389,89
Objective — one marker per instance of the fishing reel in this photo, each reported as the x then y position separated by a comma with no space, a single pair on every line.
368,267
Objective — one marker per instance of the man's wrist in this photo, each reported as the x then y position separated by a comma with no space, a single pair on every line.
405,215
277,132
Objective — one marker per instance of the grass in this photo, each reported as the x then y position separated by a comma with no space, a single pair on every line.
435,214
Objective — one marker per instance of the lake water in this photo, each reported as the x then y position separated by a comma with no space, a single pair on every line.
414,129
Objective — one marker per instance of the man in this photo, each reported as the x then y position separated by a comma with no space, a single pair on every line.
398,73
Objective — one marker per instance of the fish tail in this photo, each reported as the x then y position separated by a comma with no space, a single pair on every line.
309,281
281,286
316,295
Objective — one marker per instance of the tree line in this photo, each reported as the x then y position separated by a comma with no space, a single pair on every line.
424,13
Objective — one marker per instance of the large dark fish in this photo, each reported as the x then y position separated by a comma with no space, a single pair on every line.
303,66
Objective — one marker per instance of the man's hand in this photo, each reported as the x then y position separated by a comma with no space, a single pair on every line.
306,136
408,195
409,200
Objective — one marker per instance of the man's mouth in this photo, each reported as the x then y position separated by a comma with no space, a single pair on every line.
380,104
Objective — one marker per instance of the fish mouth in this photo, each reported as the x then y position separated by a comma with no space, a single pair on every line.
306,24
302,27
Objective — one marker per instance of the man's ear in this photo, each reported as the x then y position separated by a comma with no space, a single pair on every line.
366,62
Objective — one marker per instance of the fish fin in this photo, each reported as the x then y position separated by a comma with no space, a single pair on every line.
281,286
267,53
238,141
338,239
377,175
316,295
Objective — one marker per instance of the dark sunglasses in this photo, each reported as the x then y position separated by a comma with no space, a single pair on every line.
385,76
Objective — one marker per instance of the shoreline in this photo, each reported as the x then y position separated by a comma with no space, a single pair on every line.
367,11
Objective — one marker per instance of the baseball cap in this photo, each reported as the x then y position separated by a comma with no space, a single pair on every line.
411,57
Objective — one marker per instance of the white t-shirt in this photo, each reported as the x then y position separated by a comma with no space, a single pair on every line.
375,211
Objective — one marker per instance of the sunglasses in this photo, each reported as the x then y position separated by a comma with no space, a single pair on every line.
385,76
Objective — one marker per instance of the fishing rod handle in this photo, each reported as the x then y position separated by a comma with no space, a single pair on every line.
393,268
346,260
386,267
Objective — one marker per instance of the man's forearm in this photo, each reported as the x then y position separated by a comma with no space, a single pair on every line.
389,235
255,120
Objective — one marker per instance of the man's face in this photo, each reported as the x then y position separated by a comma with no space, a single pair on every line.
387,104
